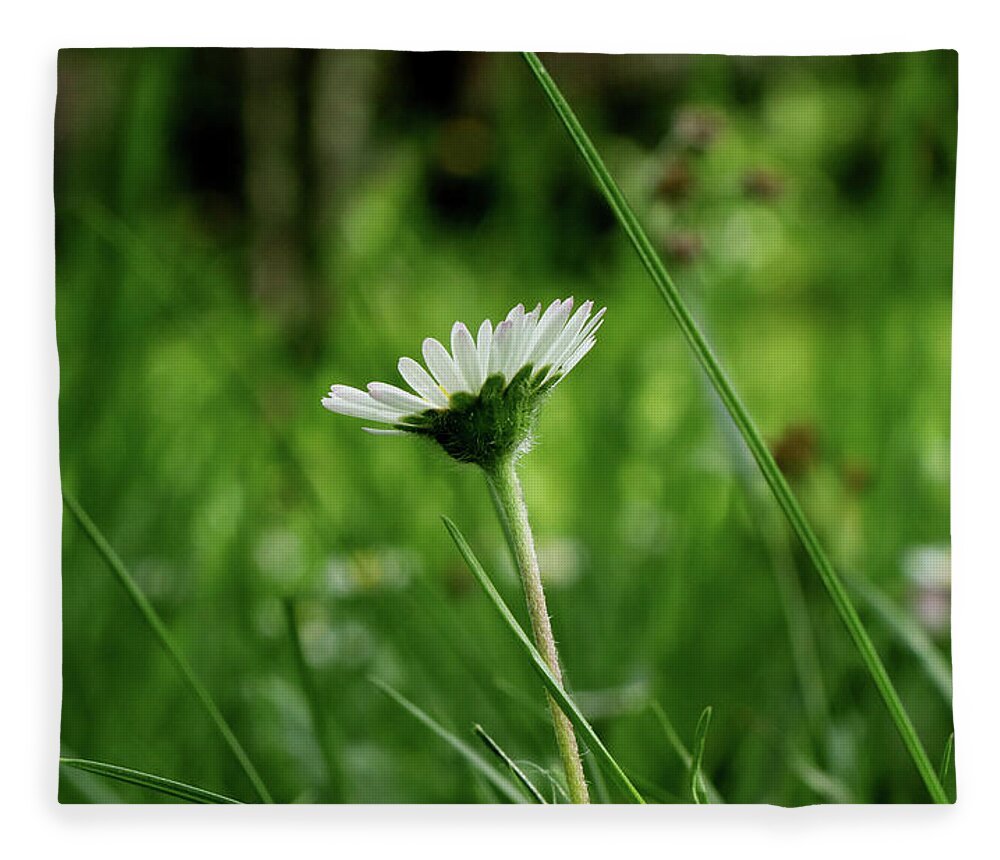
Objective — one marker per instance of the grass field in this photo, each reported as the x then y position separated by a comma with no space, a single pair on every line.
238,230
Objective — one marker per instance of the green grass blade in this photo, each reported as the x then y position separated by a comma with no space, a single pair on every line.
696,782
160,784
568,706
748,430
683,754
476,761
316,711
910,634
656,793
949,751
161,632
597,780
826,785
511,765
558,791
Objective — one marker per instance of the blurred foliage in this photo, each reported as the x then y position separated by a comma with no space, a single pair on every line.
237,230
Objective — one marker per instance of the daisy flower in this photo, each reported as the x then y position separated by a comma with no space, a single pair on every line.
480,401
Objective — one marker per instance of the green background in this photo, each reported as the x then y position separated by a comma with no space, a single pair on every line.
237,230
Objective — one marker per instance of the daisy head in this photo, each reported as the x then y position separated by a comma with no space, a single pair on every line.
480,401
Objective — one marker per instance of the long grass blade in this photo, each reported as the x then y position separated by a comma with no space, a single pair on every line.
683,754
317,713
166,640
94,789
568,706
949,751
696,782
912,635
160,784
597,780
511,765
744,423
827,786
476,761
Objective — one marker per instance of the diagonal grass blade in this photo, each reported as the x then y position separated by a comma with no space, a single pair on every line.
744,423
909,633
167,641
696,782
568,706
160,784
511,765
321,729
946,759
683,754
477,762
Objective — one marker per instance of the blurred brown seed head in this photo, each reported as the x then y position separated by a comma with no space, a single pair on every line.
796,450
857,475
763,184
683,246
676,182
698,128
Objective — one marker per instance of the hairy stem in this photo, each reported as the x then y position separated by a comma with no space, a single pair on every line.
509,499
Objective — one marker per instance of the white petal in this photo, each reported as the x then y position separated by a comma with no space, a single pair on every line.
384,431
574,359
549,327
501,347
532,318
593,325
562,347
484,340
464,349
422,382
516,312
516,320
440,364
349,401
357,397
524,339
587,332
520,321
396,398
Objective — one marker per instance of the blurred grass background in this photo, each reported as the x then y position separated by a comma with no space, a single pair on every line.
237,230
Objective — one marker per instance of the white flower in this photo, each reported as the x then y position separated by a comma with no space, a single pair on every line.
541,347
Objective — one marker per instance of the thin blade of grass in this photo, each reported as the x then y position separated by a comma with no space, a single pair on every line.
477,762
683,754
511,765
744,423
774,538
320,727
696,782
568,706
656,793
949,751
911,634
159,784
166,640
597,779
827,786
558,791
95,789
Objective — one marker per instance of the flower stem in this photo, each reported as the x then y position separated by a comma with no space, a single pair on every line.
509,500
